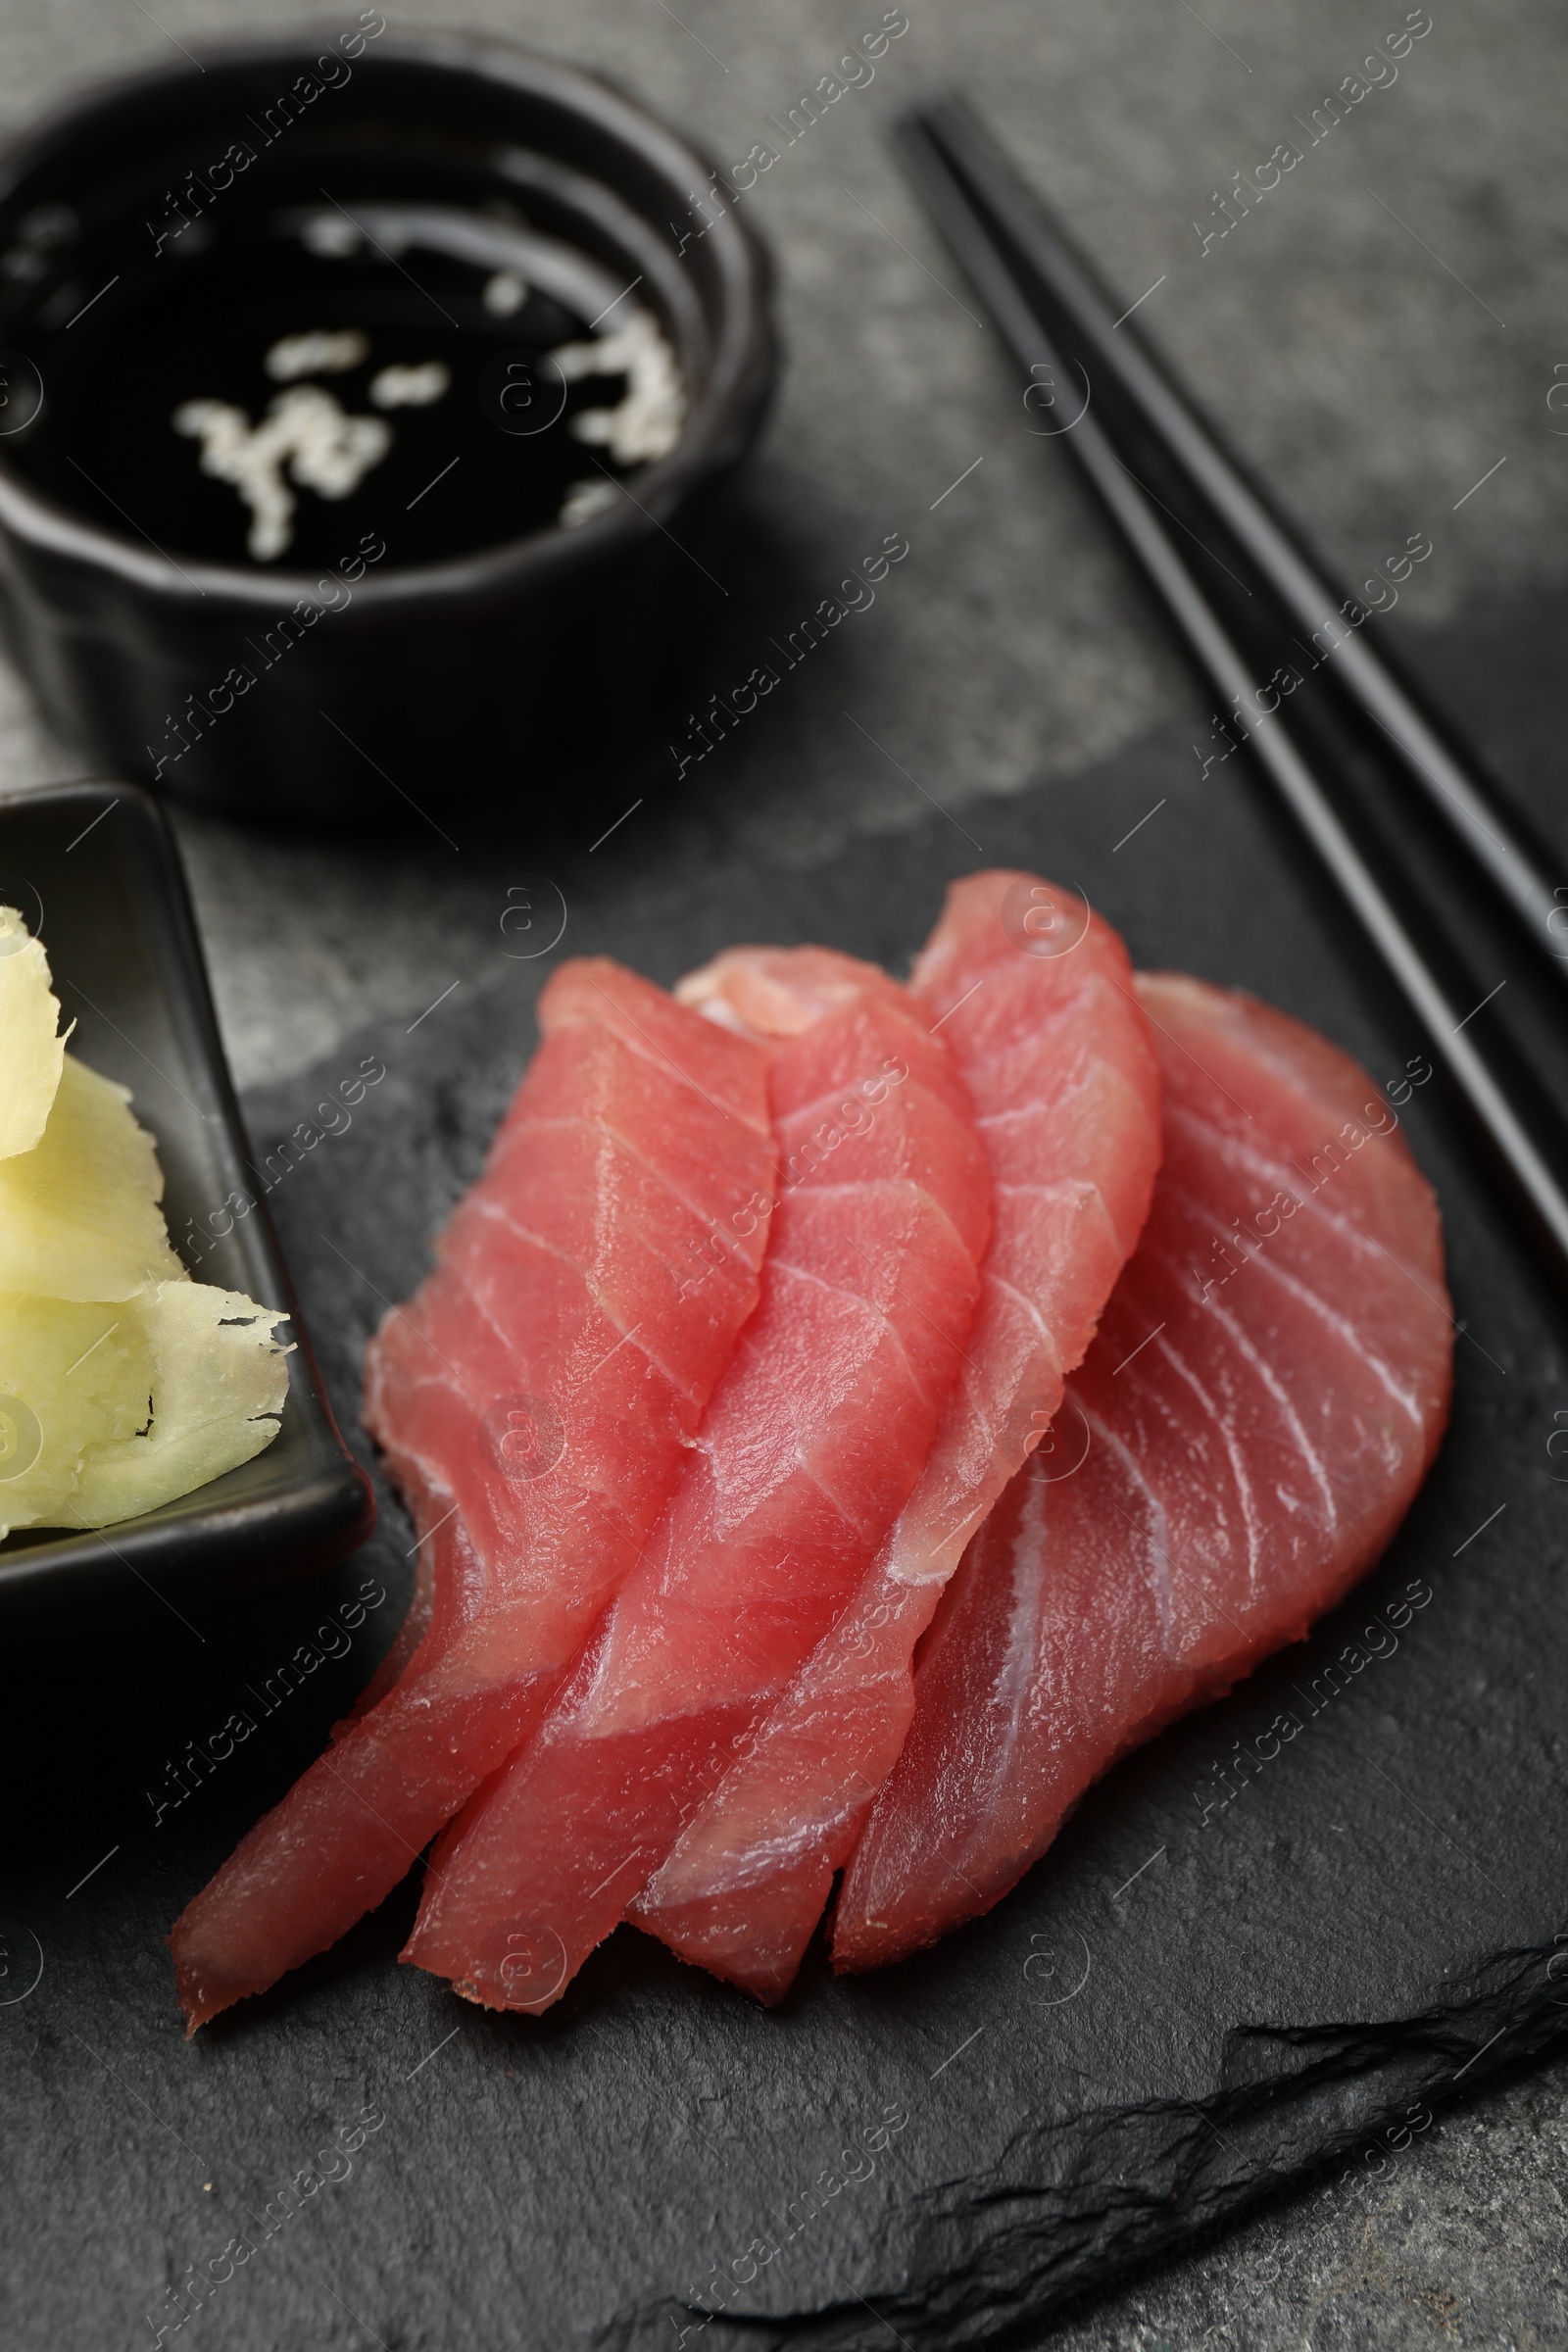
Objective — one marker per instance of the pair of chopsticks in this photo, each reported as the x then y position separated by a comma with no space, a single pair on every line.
1132,429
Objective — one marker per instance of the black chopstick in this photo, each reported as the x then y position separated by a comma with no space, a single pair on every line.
1472,1074
1520,869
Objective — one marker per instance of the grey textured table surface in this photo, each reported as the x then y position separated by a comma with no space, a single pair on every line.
1380,339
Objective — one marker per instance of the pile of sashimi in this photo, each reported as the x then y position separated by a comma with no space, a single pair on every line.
844,1417
123,1384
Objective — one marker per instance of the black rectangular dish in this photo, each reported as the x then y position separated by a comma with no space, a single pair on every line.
94,871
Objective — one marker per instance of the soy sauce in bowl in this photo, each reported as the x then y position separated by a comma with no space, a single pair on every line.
271,374
420,383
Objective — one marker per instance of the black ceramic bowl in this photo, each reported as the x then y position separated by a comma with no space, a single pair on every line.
434,217
95,871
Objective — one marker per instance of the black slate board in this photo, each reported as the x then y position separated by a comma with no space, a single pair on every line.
1168,2018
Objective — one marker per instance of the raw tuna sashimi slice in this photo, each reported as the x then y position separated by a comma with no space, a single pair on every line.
812,1442
1035,998
1266,1392
534,1402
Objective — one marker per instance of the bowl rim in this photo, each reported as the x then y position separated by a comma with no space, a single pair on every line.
743,343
